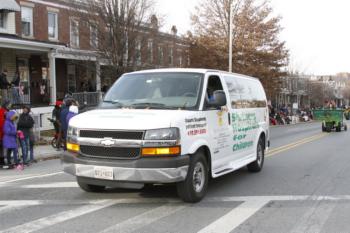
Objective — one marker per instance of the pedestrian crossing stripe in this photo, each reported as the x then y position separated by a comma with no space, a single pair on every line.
227,223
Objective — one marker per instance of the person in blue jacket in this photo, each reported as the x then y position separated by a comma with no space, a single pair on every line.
63,120
10,137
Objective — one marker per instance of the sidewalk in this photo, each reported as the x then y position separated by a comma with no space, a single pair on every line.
46,152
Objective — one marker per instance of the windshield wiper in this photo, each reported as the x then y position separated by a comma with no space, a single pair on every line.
114,102
151,105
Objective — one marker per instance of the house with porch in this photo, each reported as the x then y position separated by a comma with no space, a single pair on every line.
53,53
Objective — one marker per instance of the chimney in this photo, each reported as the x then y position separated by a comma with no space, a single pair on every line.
174,30
154,22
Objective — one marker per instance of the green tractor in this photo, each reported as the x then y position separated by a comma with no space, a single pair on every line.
331,119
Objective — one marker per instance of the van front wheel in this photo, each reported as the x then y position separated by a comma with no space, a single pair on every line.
90,187
194,187
258,164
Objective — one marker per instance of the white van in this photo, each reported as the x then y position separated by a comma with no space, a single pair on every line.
170,126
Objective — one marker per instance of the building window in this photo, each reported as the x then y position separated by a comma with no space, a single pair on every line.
52,25
27,21
3,20
74,33
150,51
160,55
180,61
93,36
138,52
171,56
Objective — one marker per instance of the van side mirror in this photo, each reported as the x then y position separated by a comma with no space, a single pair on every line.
219,100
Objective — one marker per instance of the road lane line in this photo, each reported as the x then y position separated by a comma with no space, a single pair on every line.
297,142
136,223
42,223
30,177
51,185
291,146
294,145
236,217
315,218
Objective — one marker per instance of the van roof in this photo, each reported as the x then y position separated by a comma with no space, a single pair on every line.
190,70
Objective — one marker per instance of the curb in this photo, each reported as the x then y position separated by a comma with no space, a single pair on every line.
300,123
53,157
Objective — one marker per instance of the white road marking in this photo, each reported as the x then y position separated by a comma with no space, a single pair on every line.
227,223
52,185
235,217
144,219
315,218
30,177
279,198
20,202
59,217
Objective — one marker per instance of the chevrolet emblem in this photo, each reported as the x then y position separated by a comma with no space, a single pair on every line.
108,142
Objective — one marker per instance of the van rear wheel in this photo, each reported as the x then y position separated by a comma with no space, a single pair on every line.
194,187
258,164
90,187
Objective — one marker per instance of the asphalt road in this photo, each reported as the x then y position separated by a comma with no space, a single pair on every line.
304,187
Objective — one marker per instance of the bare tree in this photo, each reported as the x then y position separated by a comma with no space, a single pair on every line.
117,27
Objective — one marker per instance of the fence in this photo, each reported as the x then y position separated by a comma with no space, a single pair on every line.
88,98
17,99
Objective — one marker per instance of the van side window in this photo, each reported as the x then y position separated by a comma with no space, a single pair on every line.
245,93
214,84
258,95
235,91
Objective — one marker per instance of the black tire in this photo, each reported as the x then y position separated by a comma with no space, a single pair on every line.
345,127
90,187
54,143
258,164
338,128
323,128
194,187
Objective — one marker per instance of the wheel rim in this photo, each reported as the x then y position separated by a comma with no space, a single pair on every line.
198,177
259,158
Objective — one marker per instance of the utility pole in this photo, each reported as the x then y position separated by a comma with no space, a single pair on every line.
231,37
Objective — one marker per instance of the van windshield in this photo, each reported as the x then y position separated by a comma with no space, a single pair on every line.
155,91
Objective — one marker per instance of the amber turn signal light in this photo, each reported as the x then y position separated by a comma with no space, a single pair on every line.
161,151
73,147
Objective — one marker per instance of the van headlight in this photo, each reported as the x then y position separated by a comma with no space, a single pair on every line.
72,131
163,134
162,142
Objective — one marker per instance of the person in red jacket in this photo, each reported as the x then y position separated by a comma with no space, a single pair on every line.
3,110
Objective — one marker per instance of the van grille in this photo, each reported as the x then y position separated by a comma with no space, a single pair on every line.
109,152
128,135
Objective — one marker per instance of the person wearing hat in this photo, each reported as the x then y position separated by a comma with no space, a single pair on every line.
5,107
25,124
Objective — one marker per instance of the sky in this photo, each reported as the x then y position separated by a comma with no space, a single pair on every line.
316,32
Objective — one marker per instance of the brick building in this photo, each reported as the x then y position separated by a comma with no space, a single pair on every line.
53,51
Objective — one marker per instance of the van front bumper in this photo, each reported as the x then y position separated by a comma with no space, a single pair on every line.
143,170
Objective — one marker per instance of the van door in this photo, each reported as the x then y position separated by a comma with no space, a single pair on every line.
244,116
219,127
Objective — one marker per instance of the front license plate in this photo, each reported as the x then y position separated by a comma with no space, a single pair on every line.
105,173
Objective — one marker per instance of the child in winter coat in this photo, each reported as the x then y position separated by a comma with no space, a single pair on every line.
10,137
22,142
